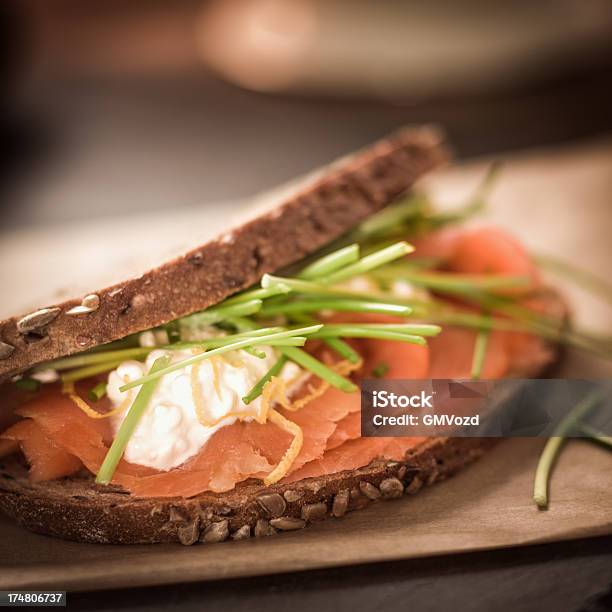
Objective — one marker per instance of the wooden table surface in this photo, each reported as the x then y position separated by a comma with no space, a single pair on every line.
565,577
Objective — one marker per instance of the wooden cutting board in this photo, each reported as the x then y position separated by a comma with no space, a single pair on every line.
559,202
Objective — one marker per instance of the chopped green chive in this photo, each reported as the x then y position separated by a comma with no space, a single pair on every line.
391,218
543,325
483,190
292,341
173,330
275,370
118,356
476,321
451,282
423,263
242,324
343,349
87,359
353,330
222,340
336,344
204,344
297,285
336,305
480,353
130,422
232,346
581,277
28,384
251,332
317,290
380,370
215,314
89,371
379,334
97,392
331,263
257,294
318,368
554,444
369,262
475,204
383,331
548,329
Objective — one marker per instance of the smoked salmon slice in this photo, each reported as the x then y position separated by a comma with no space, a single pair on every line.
491,250
347,429
401,360
227,458
452,351
47,460
354,454
482,250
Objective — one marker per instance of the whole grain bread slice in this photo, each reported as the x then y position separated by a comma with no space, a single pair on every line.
77,509
289,226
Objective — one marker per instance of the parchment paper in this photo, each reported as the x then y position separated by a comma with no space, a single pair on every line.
559,202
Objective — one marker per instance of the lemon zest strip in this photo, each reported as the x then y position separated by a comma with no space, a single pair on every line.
69,390
291,453
214,364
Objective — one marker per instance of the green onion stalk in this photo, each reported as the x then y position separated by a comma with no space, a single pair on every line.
130,422
555,443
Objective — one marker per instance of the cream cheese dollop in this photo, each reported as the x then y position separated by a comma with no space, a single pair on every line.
169,432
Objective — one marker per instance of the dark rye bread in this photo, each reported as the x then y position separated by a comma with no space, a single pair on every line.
318,210
78,509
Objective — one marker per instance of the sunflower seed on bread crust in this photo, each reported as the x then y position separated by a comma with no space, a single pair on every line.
314,512
288,523
391,488
263,528
273,504
242,533
216,532
341,502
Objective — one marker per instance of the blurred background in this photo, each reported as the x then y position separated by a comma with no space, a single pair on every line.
112,107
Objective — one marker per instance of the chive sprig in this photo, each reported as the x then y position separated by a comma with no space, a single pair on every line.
130,422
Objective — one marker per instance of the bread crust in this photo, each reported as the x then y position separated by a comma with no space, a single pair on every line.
78,509
330,204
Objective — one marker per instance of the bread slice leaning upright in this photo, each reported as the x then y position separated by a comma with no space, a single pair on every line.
293,224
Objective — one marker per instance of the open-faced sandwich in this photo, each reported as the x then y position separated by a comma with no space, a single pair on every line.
216,396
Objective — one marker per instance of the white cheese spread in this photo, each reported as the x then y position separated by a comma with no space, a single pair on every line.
169,432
